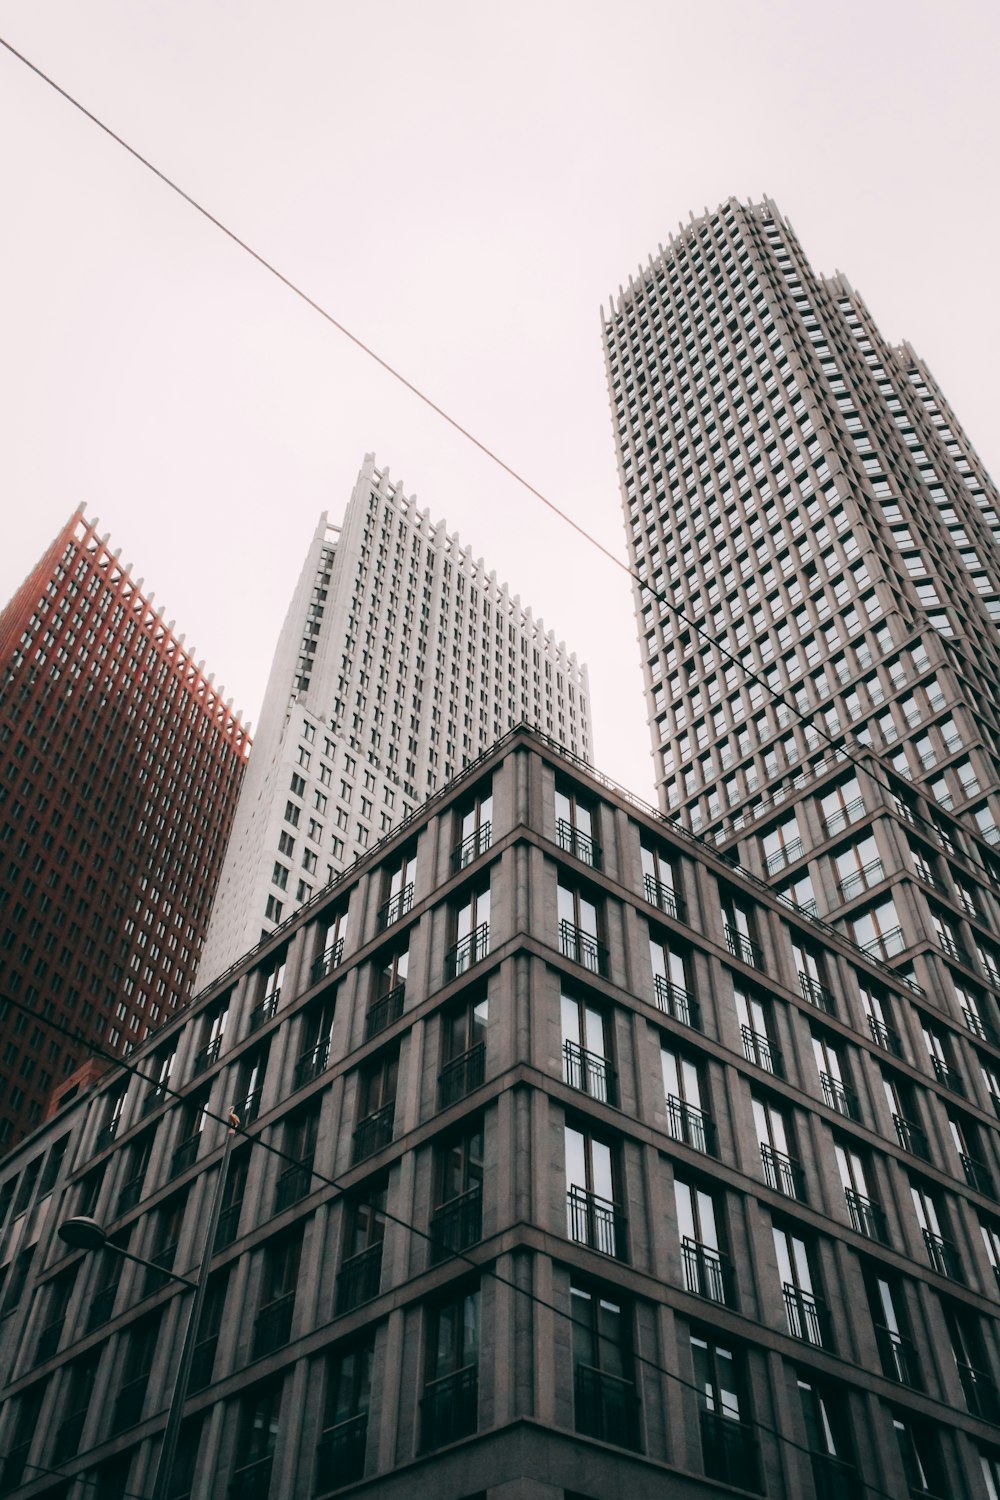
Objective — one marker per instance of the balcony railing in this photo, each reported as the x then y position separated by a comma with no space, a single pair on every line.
886,944
867,1217
947,1075
107,1133
131,1192
203,1362
886,1037
843,817
912,1137
162,1263
248,1108
582,947
607,1407
48,1339
375,1132
816,993
861,879
251,1481
397,906
457,1224
834,1479
691,1125
340,1454
472,847
978,1026
273,1325
101,1306
387,1008
759,1049
783,1173
327,961
129,1403
744,948
468,951
729,1450
157,1095
463,1074
185,1154
293,1185
899,1357
807,1317
978,1176
229,1224
838,1096
360,1278
942,1255
707,1272
677,1002
206,1056
980,1392
595,1222
449,1408
580,845
314,1061
68,1435
263,1012
589,1072
665,897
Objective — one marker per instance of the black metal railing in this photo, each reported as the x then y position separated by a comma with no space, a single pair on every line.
977,1175
886,944
388,1008
787,855
607,1407
397,906
867,1217
293,1185
252,1481
899,1357
457,1224
248,1108
102,1305
687,1123
340,1454
48,1339
942,1255
313,1061
468,951
596,1222
472,847
359,1278
759,1049
68,1435
729,1450
273,1325
203,1362
783,1173
580,845
664,897
185,1154
374,1132
582,947
106,1134
162,1263
816,993
589,1072
912,1137
327,960
157,1095
837,1095
264,1011
707,1272
980,1392
129,1403
834,1479
130,1193
836,821
978,1026
859,880
206,1056
947,1075
449,1408
807,1317
461,1075
677,1002
229,1224
886,1037
743,947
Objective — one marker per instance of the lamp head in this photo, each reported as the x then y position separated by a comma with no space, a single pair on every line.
82,1233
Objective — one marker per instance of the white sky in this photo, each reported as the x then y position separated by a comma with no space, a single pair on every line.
462,185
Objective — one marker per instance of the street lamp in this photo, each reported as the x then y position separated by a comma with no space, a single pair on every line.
83,1233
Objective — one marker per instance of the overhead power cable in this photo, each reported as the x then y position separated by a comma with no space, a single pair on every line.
423,1234
396,374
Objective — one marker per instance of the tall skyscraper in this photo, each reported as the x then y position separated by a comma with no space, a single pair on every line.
119,772
802,492
400,660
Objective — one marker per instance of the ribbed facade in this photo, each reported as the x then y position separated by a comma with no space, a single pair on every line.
592,1169
119,771
400,660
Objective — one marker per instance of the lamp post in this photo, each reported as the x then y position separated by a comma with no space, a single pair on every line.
86,1234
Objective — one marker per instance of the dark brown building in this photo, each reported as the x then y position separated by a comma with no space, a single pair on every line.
119,771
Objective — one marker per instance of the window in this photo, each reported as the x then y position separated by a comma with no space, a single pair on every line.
687,1118
390,969
782,1170
670,981
728,1443
79,1387
376,1105
605,1401
463,1050
920,1453
811,965
756,1030
232,1199
471,931
449,1408
140,1352
331,950
314,1041
739,925
475,828
457,1220
213,1030
879,1013
707,1268
828,1434
806,1314
259,1424
398,890
659,882
273,1323
941,1253
858,867
295,1180
841,806
593,1214
969,1348
575,827
887,1304
878,931
900,1097
340,1454
586,1048
782,845
831,1066
579,931
360,1272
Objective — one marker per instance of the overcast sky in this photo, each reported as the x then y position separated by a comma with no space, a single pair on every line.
462,185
